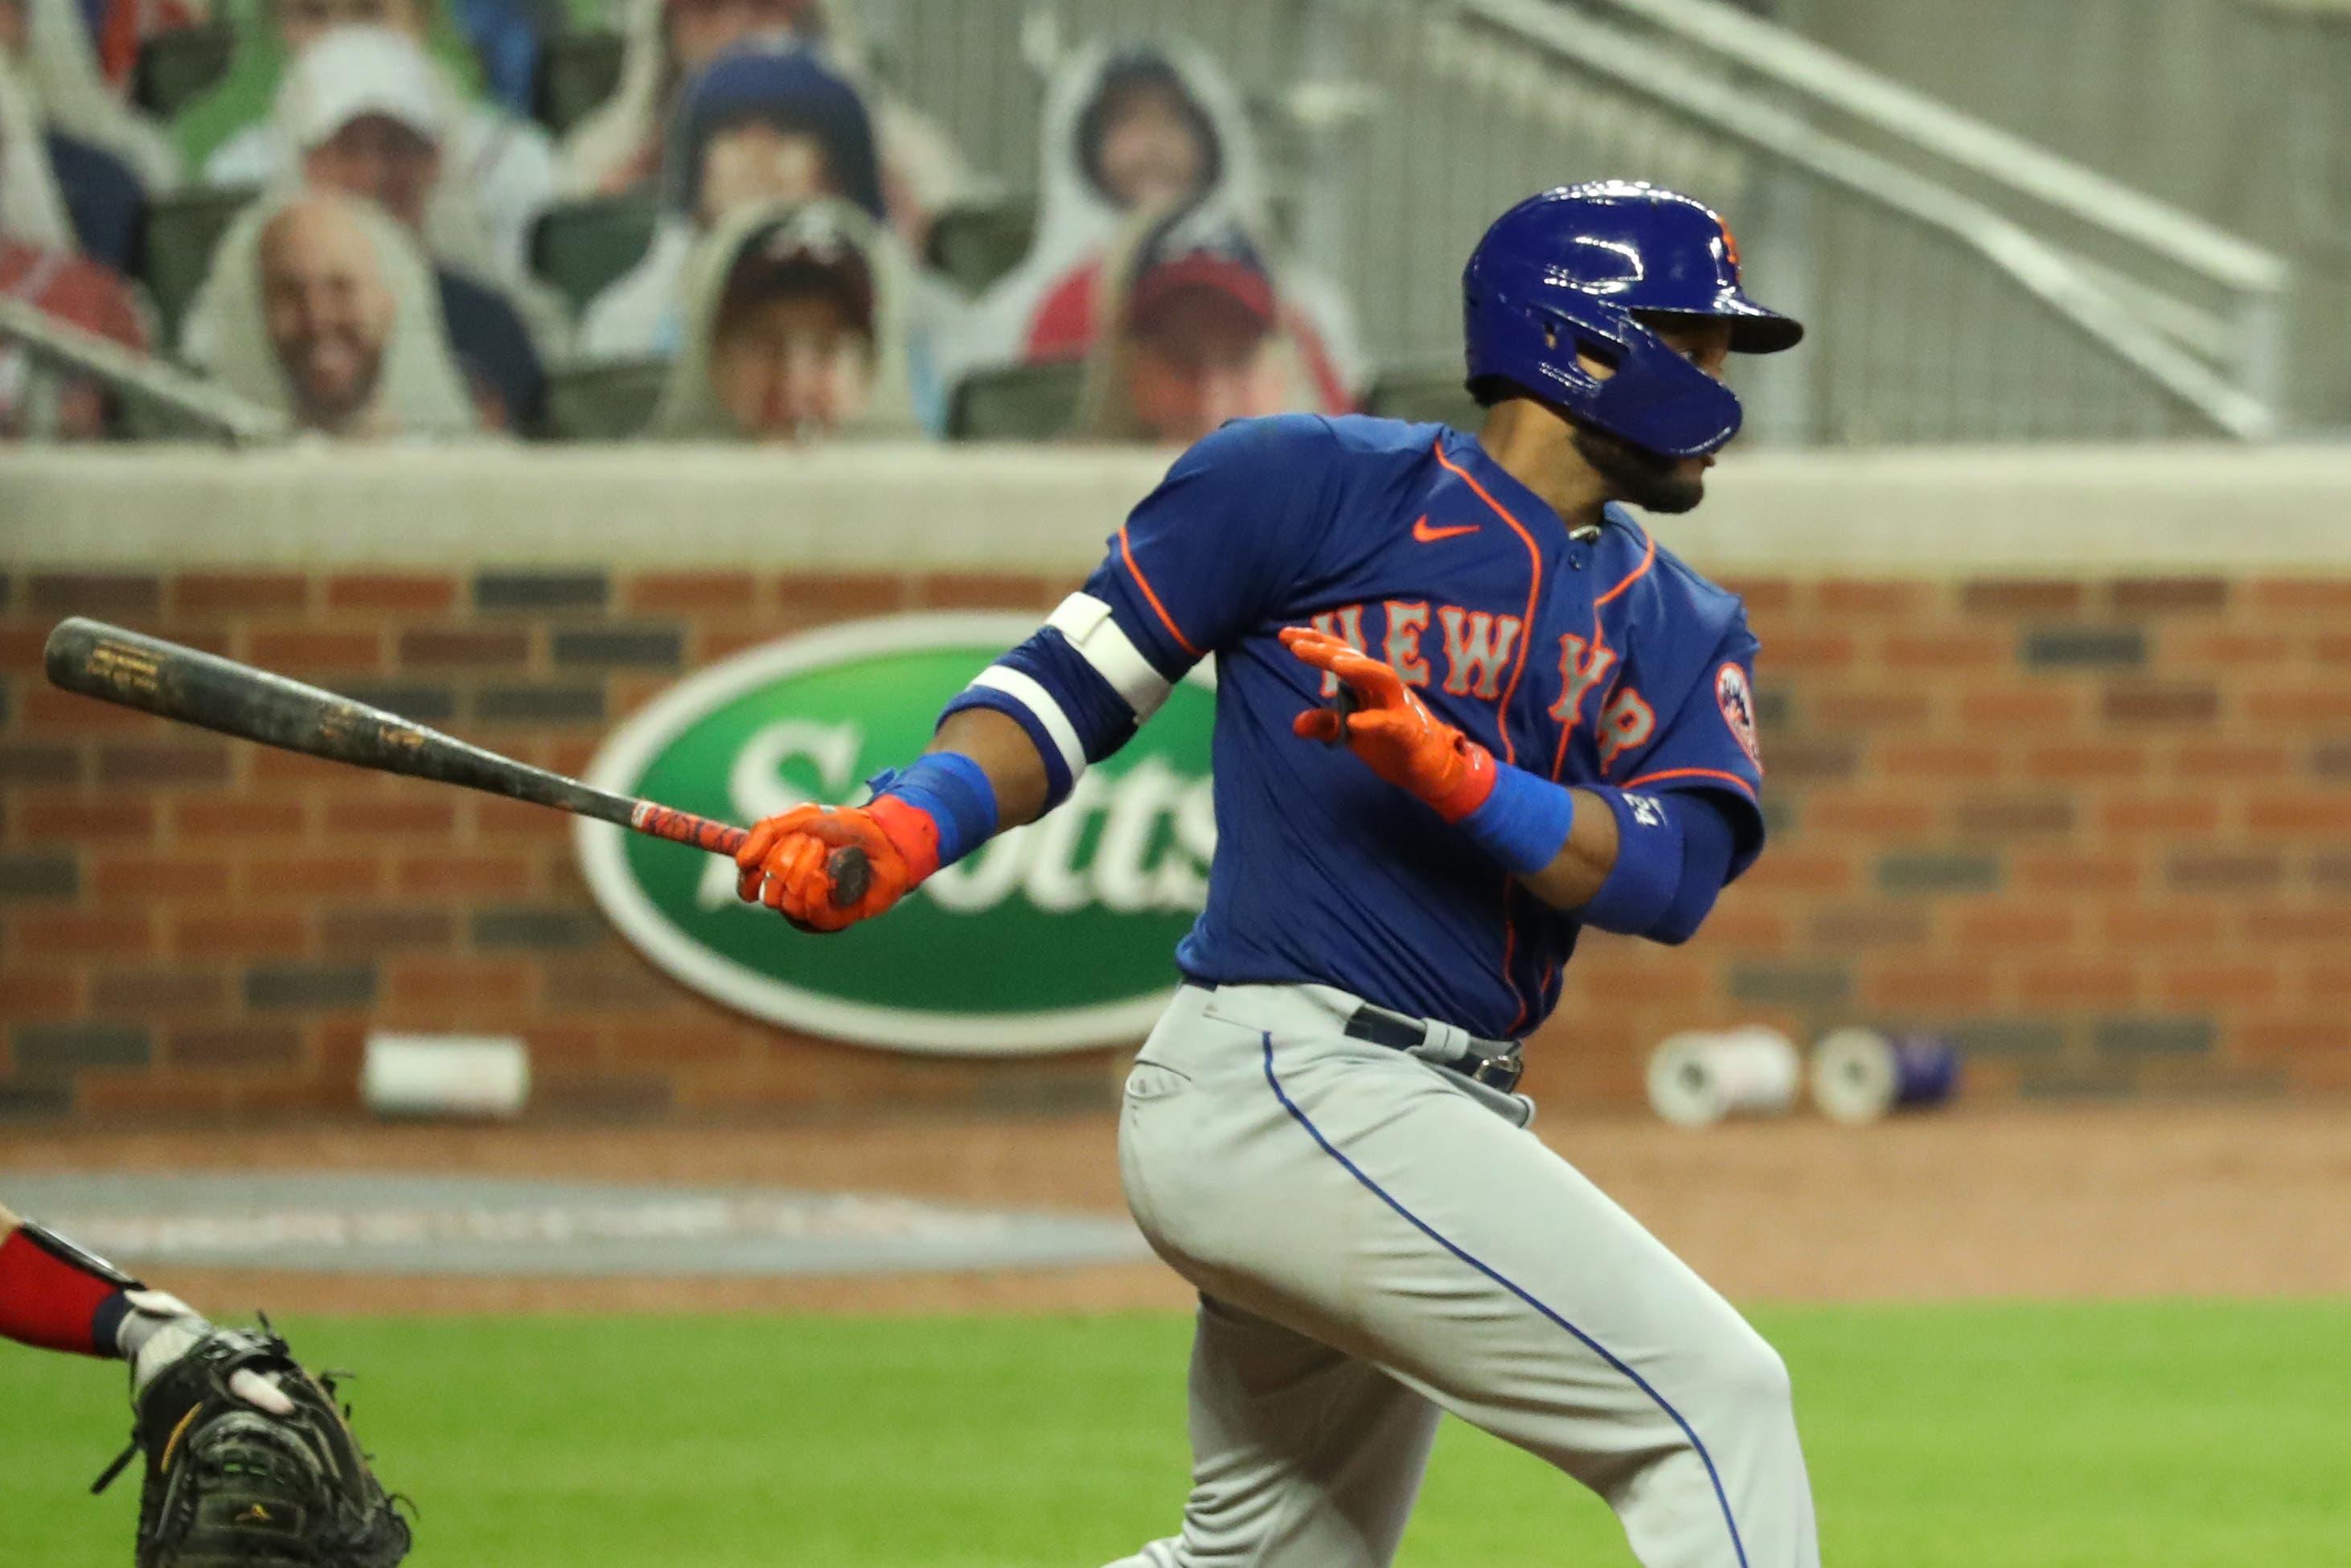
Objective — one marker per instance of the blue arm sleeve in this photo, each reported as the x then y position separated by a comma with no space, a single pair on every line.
1100,716
1674,852
1073,713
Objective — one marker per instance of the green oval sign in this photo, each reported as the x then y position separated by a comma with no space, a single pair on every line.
1055,935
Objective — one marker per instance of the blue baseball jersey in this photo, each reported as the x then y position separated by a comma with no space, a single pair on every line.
1599,658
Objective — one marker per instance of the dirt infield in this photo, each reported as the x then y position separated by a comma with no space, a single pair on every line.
2231,1199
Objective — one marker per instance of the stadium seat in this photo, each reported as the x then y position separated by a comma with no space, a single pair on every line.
183,229
577,72
177,67
975,243
1018,403
1428,393
580,248
604,402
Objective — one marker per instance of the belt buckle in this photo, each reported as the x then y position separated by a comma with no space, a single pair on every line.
1500,1073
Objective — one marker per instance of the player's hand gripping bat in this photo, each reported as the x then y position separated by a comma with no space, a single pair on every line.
194,687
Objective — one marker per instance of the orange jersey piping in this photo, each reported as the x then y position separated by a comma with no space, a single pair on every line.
1690,773
1126,553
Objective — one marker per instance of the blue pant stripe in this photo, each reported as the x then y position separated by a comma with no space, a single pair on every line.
1593,1345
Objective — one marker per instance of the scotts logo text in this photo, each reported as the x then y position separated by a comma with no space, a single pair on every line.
1055,935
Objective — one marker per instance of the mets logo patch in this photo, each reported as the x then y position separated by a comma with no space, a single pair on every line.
1738,705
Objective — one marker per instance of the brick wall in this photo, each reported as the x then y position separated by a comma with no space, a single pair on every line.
2099,829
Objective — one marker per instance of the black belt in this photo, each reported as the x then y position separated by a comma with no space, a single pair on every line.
1493,1063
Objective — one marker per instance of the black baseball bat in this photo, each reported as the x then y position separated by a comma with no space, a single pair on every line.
190,686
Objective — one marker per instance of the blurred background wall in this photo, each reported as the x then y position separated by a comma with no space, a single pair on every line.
2056,766
2044,530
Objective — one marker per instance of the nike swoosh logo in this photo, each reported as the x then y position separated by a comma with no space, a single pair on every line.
1425,535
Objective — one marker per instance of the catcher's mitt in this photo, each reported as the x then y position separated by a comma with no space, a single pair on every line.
231,1485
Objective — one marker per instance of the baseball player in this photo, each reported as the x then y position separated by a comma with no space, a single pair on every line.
248,1459
1467,707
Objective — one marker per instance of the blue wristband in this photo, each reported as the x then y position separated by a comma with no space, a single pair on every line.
952,790
1523,823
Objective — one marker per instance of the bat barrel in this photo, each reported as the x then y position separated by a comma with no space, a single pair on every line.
195,687
104,662
191,687
174,682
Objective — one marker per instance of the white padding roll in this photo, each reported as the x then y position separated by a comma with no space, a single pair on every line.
1700,1077
445,1075
1853,1076
1860,1075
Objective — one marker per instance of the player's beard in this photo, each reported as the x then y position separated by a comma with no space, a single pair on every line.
1648,480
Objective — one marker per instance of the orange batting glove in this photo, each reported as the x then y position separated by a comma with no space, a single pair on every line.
786,862
1391,729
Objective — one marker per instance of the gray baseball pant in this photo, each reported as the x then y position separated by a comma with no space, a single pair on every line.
1376,1239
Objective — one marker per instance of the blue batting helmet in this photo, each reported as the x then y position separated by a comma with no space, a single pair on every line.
1572,270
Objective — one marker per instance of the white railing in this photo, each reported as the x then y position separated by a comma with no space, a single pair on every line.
1829,81
2100,310
1960,284
2163,261
159,394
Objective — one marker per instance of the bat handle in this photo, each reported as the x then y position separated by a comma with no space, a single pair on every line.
1342,704
685,827
847,868
850,873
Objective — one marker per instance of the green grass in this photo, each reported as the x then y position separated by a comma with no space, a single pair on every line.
2190,1434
